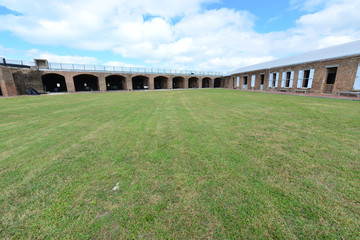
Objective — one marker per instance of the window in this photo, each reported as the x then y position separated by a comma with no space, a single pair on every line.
273,80
274,76
245,79
306,78
287,79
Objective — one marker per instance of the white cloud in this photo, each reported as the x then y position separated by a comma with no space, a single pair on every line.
177,34
308,5
7,51
36,54
122,64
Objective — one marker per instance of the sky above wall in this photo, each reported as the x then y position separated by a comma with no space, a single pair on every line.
203,35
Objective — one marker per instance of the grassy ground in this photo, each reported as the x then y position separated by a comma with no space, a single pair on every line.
185,164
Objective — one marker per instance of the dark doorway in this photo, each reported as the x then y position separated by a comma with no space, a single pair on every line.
140,83
160,82
262,80
245,80
331,76
86,82
54,83
330,80
115,82
206,82
193,82
218,83
0,92
178,82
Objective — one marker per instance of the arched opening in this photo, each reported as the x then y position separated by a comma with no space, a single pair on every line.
218,83
193,82
0,91
140,83
178,82
54,83
206,82
115,82
86,82
160,82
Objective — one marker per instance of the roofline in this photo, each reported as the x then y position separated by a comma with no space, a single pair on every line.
279,66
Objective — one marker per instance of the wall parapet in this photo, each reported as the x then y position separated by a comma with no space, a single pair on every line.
104,68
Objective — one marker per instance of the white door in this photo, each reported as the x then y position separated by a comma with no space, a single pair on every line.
253,81
357,79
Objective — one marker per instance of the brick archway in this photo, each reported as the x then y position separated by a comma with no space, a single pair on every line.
86,82
53,82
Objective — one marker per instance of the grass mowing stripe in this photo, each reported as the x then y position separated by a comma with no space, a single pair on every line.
206,163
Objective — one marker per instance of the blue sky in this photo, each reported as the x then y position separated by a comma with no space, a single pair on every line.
210,35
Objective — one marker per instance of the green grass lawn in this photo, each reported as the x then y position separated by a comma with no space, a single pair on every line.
188,164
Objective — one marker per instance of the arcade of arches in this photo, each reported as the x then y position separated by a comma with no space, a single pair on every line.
76,82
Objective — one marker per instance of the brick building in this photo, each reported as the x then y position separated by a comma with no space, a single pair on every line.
333,70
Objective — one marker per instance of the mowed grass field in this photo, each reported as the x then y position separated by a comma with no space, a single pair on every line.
187,164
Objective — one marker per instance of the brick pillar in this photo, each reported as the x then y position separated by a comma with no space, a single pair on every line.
212,81
199,82
151,83
186,82
102,83
69,83
129,83
170,83
7,83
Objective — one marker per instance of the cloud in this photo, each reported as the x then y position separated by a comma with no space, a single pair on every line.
122,64
177,34
7,51
308,5
37,54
